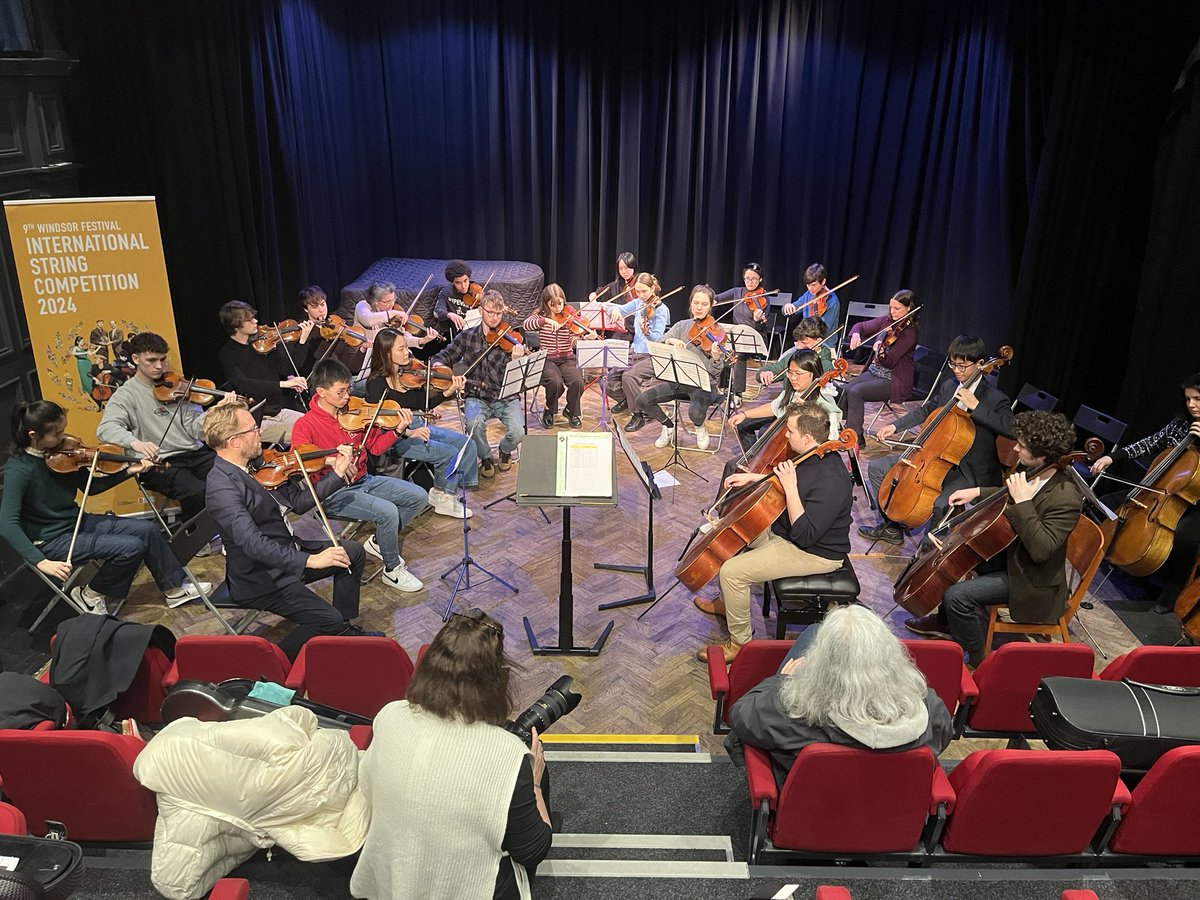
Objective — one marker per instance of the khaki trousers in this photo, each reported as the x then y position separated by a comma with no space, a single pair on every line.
766,558
277,429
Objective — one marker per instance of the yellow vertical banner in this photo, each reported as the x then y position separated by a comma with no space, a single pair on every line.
92,274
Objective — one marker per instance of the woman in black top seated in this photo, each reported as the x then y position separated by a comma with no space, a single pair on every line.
451,790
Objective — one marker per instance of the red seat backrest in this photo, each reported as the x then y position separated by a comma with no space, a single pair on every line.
12,820
356,674
755,662
143,699
1030,802
1009,676
216,658
941,662
1157,665
1164,815
845,799
83,779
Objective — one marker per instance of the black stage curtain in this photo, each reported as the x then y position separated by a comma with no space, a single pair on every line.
995,158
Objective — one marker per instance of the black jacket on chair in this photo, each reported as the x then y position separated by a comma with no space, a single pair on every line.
261,553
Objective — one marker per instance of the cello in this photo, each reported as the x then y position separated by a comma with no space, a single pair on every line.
1140,539
913,483
754,508
976,536
1187,604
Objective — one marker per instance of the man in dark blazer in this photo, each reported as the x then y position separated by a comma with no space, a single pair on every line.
991,412
268,567
1043,512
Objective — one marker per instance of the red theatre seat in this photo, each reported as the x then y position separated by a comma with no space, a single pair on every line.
214,659
1032,803
1007,680
1079,895
356,674
83,779
844,802
941,662
832,892
1163,818
230,889
12,820
755,662
1157,665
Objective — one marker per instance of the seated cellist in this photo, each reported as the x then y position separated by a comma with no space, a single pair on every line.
1030,576
810,538
990,411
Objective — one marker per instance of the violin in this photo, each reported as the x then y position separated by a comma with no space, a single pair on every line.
1140,539
890,336
335,328
279,465
752,512
174,386
569,319
756,299
269,336
704,333
72,454
416,326
472,295
358,414
915,480
976,536
820,302
415,375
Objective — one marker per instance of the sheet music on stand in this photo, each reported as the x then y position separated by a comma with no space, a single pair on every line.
523,374
745,340
571,468
473,317
599,316
678,365
607,354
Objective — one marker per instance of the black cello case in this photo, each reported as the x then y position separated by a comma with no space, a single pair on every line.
1137,722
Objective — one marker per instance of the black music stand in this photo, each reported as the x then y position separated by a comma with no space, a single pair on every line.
646,478
603,355
521,376
678,366
542,483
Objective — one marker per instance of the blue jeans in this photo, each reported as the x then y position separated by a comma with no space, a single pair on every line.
391,503
965,603
441,450
123,544
507,411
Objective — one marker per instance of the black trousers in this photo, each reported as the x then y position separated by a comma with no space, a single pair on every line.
562,372
184,479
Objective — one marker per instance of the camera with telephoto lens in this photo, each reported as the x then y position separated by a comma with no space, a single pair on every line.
558,700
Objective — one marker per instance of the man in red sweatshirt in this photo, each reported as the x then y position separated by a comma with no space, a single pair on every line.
391,503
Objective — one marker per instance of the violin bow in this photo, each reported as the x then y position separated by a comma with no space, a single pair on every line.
833,290
79,518
417,295
283,344
743,297
316,500
911,312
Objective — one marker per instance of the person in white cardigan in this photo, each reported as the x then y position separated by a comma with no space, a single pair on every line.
457,803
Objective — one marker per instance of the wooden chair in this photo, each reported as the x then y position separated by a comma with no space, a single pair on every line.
1085,550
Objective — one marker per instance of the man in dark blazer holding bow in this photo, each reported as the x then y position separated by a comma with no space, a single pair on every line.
267,566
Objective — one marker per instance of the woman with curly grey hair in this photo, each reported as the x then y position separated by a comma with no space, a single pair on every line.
846,681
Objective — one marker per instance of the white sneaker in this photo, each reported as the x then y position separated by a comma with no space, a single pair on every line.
402,579
372,547
701,437
186,592
88,601
666,438
446,504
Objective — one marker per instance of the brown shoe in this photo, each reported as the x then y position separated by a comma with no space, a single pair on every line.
933,625
729,647
714,607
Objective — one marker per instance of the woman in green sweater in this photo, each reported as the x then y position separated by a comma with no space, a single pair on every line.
38,513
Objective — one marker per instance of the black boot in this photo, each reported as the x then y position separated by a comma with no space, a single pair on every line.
933,625
888,532
619,407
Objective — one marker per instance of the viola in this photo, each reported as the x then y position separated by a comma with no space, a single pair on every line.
358,414
269,336
504,336
72,455
278,466
976,536
415,376
1140,539
174,386
335,328
704,333
750,514
772,446
914,482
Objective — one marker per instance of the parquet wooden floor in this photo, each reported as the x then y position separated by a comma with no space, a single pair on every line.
647,679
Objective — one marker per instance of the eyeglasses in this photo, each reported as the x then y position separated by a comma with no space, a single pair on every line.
959,366
475,614
256,428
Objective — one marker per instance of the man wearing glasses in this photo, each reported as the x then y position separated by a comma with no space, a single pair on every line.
991,413
267,567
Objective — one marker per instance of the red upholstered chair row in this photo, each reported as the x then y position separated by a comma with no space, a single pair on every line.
1157,665
941,662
